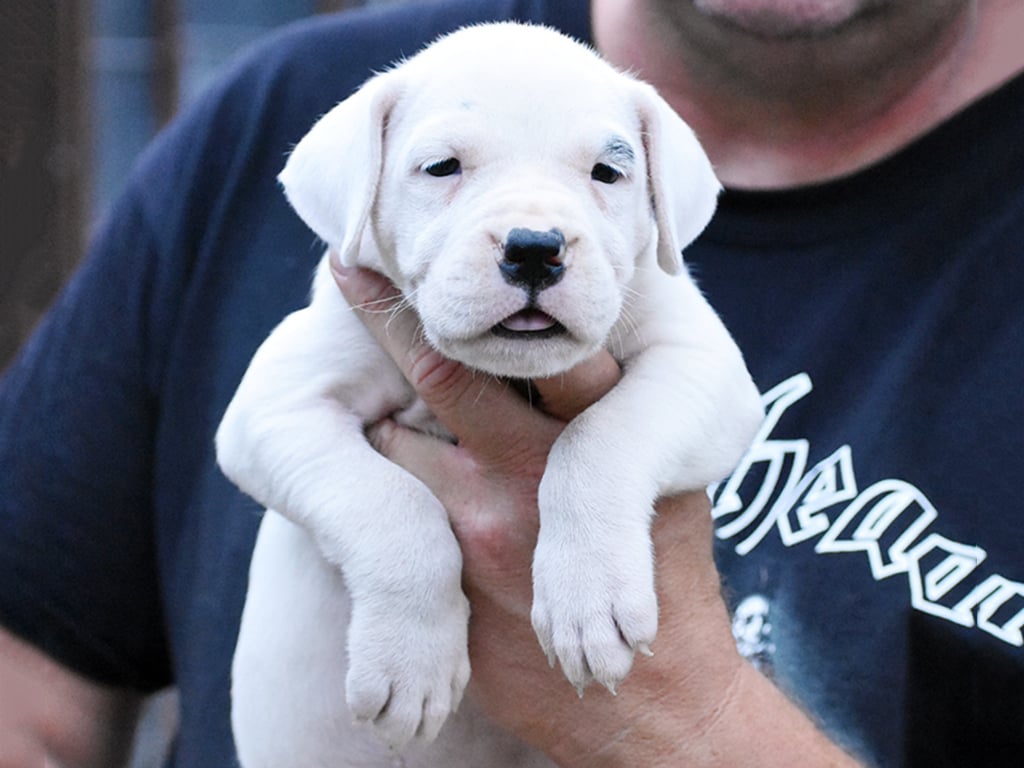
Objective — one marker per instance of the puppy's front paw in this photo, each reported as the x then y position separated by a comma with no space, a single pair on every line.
408,665
594,605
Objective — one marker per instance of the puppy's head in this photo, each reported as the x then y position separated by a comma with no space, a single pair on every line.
511,183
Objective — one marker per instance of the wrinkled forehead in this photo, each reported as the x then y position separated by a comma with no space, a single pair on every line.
545,97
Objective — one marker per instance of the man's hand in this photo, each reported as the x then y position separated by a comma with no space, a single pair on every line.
51,716
696,702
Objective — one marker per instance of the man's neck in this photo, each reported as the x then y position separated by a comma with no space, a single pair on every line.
789,111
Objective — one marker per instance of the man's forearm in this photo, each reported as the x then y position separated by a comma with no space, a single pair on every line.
705,706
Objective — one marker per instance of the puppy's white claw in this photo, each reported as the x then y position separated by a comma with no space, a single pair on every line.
645,649
541,622
597,613
435,712
406,677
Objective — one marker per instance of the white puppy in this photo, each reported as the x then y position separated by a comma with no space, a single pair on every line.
531,202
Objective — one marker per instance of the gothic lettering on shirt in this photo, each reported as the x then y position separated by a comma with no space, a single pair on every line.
892,522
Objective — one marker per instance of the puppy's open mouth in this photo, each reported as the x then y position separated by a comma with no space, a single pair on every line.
529,323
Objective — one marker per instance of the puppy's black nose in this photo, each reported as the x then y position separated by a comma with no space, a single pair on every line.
533,259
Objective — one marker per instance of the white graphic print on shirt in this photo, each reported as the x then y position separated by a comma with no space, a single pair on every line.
752,630
891,521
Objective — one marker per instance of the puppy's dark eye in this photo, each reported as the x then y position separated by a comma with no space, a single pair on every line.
448,167
604,174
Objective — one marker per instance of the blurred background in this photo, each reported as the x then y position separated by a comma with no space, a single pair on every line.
84,85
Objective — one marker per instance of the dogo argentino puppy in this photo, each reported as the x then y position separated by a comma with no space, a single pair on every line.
531,203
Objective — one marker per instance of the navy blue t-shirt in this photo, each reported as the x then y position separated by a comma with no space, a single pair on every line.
870,542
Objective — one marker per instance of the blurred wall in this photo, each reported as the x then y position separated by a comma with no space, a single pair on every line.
44,149
84,86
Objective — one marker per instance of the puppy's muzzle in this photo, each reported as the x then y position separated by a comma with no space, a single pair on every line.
533,260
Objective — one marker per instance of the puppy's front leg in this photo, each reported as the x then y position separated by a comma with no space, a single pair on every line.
293,439
678,420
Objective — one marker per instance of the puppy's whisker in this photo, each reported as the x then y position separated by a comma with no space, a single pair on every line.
377,306
630,293
627,324
629,320
615,343
386,303
403,304
488,380
644,268
480,392
421,335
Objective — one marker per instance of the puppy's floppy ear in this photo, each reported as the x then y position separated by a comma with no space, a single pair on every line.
332,175
683,186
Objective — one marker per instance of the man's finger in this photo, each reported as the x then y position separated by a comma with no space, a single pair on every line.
567,395
380,306
428,458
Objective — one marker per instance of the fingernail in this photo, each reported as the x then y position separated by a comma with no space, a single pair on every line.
340,271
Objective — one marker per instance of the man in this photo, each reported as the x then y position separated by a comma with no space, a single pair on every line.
865,257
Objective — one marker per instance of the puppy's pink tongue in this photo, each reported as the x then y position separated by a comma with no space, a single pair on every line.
528,320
